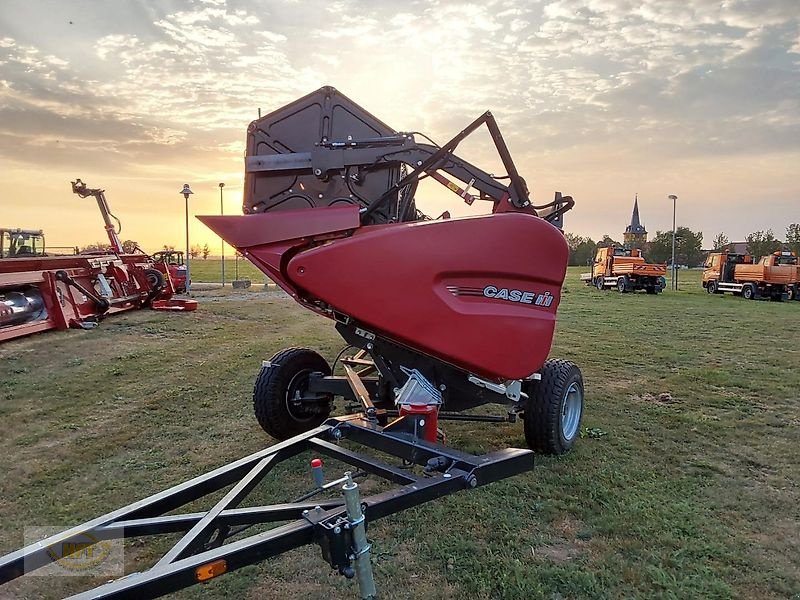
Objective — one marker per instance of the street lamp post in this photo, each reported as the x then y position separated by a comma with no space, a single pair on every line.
187,191
674,198
222,212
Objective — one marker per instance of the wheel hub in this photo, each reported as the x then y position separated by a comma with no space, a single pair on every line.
571,409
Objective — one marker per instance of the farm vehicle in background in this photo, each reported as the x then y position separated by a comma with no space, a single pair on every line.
625,270
40,292
776,276
19,243
176,265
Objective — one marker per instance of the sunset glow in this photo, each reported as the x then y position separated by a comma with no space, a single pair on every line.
600,99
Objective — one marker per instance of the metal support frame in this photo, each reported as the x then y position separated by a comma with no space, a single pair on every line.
426,161
206,534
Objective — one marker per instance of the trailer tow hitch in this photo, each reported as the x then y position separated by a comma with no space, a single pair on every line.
212,543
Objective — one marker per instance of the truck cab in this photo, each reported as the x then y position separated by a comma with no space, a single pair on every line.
21,243
720,267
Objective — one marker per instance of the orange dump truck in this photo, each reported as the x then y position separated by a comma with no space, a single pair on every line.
776,276
625,270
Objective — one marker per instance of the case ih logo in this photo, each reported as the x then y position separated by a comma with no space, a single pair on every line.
509,295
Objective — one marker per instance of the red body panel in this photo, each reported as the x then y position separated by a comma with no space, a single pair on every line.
428,286
480,293
276,236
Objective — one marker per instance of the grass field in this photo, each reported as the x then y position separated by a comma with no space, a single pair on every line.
696,497
210,270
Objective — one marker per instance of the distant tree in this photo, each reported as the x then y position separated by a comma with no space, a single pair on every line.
129,246
688,247
793,237
206,251
195,251
581,249
659,249
761,243
608,241
97,247
720,241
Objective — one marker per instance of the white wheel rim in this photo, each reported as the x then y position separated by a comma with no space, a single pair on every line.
571,409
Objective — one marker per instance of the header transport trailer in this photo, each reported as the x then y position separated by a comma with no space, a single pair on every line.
776,276
625,270
438,316
39,292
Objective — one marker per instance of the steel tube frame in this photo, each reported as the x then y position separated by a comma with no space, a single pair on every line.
176,570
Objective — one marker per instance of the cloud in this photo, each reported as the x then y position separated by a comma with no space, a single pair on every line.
619,80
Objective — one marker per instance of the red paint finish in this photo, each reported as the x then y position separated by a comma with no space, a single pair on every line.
425,285
430,414
267,228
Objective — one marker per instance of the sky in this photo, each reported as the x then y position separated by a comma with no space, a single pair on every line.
599,99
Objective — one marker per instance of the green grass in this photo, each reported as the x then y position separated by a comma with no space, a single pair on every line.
210,270
694,498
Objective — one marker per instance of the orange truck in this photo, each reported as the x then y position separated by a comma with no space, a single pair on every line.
776,276
625,270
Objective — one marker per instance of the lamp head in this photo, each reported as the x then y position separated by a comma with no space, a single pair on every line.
221,185
672,197
186,191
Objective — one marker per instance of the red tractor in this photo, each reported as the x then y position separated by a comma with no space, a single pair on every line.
176,265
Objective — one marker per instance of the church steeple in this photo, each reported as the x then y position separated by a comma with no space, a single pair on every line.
635,235
635,224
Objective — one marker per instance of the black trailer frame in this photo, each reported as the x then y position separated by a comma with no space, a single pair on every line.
205,543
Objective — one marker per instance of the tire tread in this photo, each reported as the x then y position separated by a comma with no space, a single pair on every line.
542,422
269,391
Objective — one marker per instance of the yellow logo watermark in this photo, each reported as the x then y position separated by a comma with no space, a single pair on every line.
81,554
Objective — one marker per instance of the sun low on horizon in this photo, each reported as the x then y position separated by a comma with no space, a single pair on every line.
604,100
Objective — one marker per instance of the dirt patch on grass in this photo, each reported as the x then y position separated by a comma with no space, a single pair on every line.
662,399
558,551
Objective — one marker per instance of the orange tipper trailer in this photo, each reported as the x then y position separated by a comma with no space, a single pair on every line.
776,276
626,270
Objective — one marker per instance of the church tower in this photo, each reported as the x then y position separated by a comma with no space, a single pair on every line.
635,235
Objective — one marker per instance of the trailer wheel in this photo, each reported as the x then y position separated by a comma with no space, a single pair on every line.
622,284
280,384
791,292
552,419
749,291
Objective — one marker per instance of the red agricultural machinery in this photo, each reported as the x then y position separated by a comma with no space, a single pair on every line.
176,265
438,316
39,291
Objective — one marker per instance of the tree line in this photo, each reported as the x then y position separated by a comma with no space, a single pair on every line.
130,247
688,245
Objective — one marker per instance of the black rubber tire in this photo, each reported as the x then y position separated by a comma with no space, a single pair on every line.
749,292
622,286
277,382
598,283
156,279
711,287
651,289
791,293
542,419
